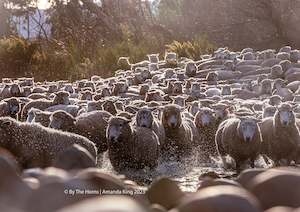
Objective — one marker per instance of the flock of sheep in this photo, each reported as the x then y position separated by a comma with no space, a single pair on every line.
238,104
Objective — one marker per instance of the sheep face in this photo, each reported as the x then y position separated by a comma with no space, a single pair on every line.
195,87
14,106
144,118
87,95
26,91
109,106
120,87
286,115
178,100
144,89
248,127
153,58
69,89
105,92
221,111
171,58
191,69
61,98
177,88
226,90
171,117
266,86
204,117
275,100
15,90
117,128
153,96
212,77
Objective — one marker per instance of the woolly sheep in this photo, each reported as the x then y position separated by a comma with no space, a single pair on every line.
131,147
10,107
60,98
281,134
37,146
239,138
39,117
144,118
91,125
207,126
72,109
191,69
269,111
179,132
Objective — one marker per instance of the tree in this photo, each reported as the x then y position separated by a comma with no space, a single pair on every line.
4,20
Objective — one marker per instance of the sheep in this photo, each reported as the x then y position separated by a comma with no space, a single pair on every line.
171,58
91,125
10,107
268,111
239,138
191,69
179,100
212,78
131,147
72,109
281,135
39,117
60,98
153,58
276,72
179,132
266,87
86,95
226,90
110,107
144,118
37,146
119,88
275,100
207,126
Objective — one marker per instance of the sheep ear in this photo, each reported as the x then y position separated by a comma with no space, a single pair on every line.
6,123
106,119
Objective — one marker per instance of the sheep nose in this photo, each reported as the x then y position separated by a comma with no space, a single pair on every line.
285,123
248,139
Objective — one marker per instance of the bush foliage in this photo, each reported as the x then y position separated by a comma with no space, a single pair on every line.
53,61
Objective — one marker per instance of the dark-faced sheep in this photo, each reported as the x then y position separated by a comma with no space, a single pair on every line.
239,138
10,107
179,132
37,146
131,147
207,126
145,118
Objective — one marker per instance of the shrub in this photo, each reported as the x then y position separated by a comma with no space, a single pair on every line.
16,56
192,49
